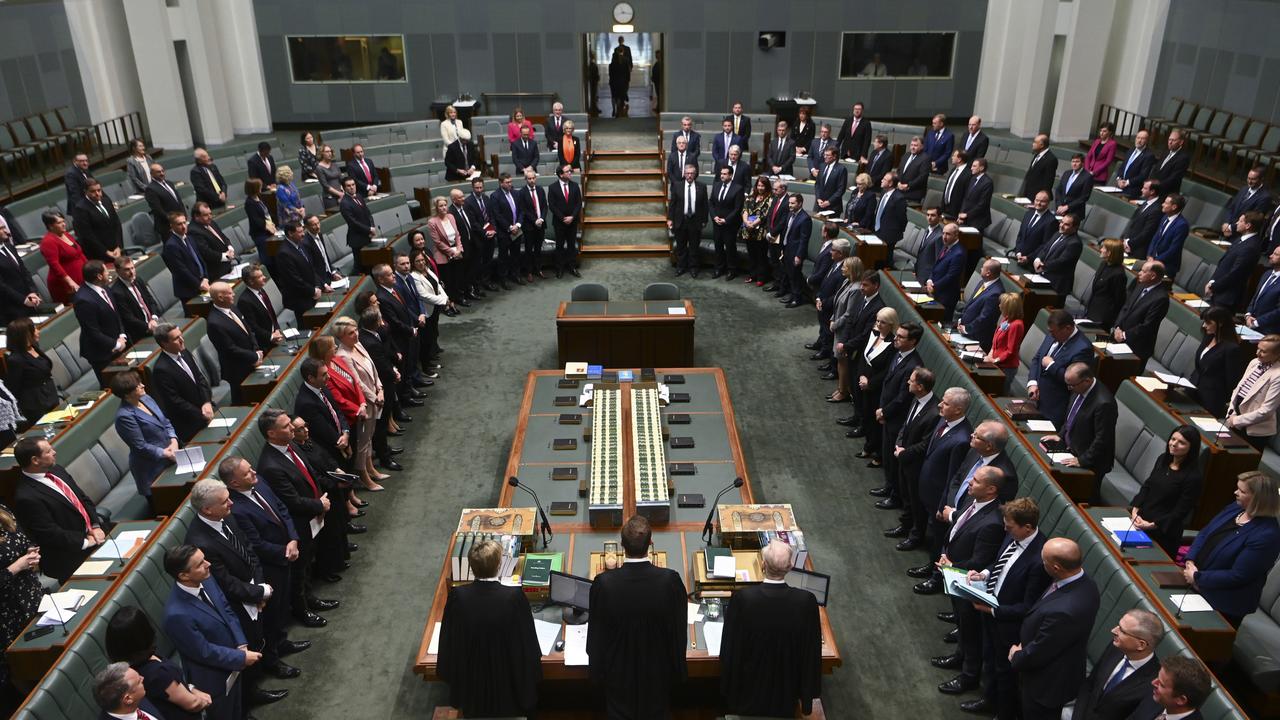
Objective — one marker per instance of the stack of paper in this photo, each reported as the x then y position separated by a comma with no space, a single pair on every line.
1175,380
547,634
1190,602
677,311
190,460
340,283
121,545
1060,457
1036,279
575,645
874,240
1118,349
911,285
920,298
1108,189
1150,384
1248,334
713,632
1045,426
1209,425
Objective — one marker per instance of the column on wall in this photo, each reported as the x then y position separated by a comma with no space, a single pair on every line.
101,40
1034,20
997,75
237,32
152,42
1133,52
192,21
1082,68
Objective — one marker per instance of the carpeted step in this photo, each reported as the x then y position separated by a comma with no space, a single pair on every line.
623,184
626,209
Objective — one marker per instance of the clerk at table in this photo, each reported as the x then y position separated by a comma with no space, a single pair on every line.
1231,556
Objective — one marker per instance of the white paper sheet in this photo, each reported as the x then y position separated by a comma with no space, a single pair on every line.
920,298
547,634
1117,524
433,647
725,566
1248,334
1036,278
190,460
94,567
1190,602
326,305
575,645
222,422
1060,457
911,285
68,600
1209,425
677,311
55,618
118,546
1175,380
1108,189
290,333
1041,426
138,354
871,239
1197,304
340,284
316,525
712,632
960,339
1150,384
1119,349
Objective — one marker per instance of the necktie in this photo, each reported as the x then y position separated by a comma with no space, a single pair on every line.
271,310
942,428
324,254
105,297
142,303
537,207
1071,418
302,468
396,295
71,497
182,363
951,183
102,209
964,486
906,164
737,127
826,174
332,414
565,187
1118,677
724,190
368,178
169,188
213,180
1035,218
689,200
1270,279
1132,156
262,503
1166,160
236,319
964,517
204,596
143,716
1049,590
512,203
915,408
968,141
884,200
682,162
236,545
10,254
1248,382
186,242
1070,181
998,569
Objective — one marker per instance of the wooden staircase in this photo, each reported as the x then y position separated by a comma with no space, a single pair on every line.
608,180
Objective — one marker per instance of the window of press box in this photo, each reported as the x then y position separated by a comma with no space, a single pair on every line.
346,58
899,55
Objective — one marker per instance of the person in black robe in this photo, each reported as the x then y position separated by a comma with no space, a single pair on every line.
489,654
637,637
620,77
771,653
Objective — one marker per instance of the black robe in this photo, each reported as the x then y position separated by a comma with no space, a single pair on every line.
771,653
489,651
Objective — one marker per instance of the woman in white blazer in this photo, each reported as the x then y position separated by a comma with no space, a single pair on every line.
1251,409
347,333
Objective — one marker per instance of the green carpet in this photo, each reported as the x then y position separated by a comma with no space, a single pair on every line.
458,444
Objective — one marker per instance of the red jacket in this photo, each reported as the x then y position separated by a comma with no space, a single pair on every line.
345,389
1007,341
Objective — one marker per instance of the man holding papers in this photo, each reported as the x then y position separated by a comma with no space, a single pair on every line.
1088,433
1143,311
771,653
56,514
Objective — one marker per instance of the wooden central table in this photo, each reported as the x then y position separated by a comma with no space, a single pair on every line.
626,333
716,456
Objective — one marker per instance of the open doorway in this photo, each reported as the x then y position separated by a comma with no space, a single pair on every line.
624,73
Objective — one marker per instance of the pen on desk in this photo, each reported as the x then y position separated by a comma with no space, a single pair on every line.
693,636
79,602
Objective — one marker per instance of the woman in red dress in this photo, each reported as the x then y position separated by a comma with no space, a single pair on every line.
63,255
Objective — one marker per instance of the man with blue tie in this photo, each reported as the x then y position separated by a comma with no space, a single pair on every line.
1057,259
1073,189
296,275
1088,431
1264,310
982,312
190,276
1229,284
1166,246
1036,228
506,224
939,143
1063,345
817,148
945,280
205,632
1253,197
891,213
795,246
1134,170
1121,679
830,184
721,143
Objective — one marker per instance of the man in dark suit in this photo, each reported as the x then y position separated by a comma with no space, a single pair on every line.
775,223
1253,197
263,167
858,326
136,305
913,172
296,276
912,427
724,140
204,629
982,311
477,206
930,244
190,275
76,180
975,211
825,281
795,248
1121,679
692,140
238,572
955,185
54,511
8,221
238,351
373,336
524,152
18,296
180,386
1135,168
1229,285
472,242
554,129
939,143
780,157
1037,227
1143,311
687,214
771,654
880,161
207,180
363,171
975,142
460,160
944,451
817,149
565,199
677,159
315,404
1088,431
401,323
318,252
162,197
855,136
1074,187
213,245
1263,313
97,225
102,336
1145,220
1181,686
636,638
830,184
1174,165
1043,168
725,211
1054,637
740,123
1058,257
295,482
360,226
535,215
948,272
739,170
256,308
1063,345
332,549
891,213
1171,235
505,216
118,690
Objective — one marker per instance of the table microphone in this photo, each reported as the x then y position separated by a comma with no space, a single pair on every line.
57,612
116,547
707,530
218,410
514,481
293,342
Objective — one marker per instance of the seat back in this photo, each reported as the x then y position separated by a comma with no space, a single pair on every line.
661,291
589,291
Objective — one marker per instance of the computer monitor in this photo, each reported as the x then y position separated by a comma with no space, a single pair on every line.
570,590
816,583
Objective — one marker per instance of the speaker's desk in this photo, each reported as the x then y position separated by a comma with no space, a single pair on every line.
626,333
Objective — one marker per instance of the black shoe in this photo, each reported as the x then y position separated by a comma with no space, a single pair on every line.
679,272
490,287
430,374
451,312
574,272
266,697
946,662
389,464
285,672
977,707
411,402
417,395
559,273
478,294
771,287
316,604
360,503
818,355
849,421
849,434
716,274
958,684
952,637
403,417
310,619
794,304
858,431
826,367
359,513
395,433
354,529
423,383
331,578
730,276
897,531
693,274
812,346
352,547
289,647
880,492
344,565
928,587
947,617
394,450
907,545
829,376
464,302
887,503
921,572
519,280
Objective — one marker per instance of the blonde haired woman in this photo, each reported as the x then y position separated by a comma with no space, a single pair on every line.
570,150
451,128
288,201
357,358
347,393
847,302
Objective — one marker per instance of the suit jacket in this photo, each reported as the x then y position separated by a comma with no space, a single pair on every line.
185,266
296,276
1216,374
976,147
96,231
1076,197
830,186
1121,700
237,349
100,326
1053,389
363,183
502,214
861,209
257,318
236,570
1091,437
1032,237
914,171
258,215
325,427
395,313
459,156
1235,267
720,148
180,395
15,230
1140,318
1060,256
269,531
380,353
562,207
76,182
892,219
730,209
942,459
938,145
741,128
1135,169
132,315
200,180
859,323
208,638
795,243
913,437
783,156
264,170
359,221
53,523
528,214
554,130
15,286
1142,227
982,314
895,401
1025,581
927,256
675,168
816,148
147,436
878,164
771,654
975,544
1231,576
957,485
1265,305
692,147
291,486
676,207
524,153
1261,201
1170,170
1055,638
1166,245
30,380
1040,175
1256,412
212,244
1109,291
162,202
947,277
951,205
977,202
855,143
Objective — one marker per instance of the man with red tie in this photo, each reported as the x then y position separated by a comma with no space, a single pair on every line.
102,336
363,171
565,199
56,514
294,481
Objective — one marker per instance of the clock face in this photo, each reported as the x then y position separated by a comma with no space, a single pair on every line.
623,12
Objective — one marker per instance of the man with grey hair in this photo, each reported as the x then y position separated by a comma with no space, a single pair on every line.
238,350
692,140
771,652
944,452
986,448
238,571
1121,679
1088,434
118,690
207,180
826,280
982,311
181,388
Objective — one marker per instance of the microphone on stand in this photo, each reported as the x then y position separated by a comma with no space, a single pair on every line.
514,481
218,410
116,547
707,529
293,341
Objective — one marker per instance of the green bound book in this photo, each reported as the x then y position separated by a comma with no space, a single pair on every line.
709,555
538,567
